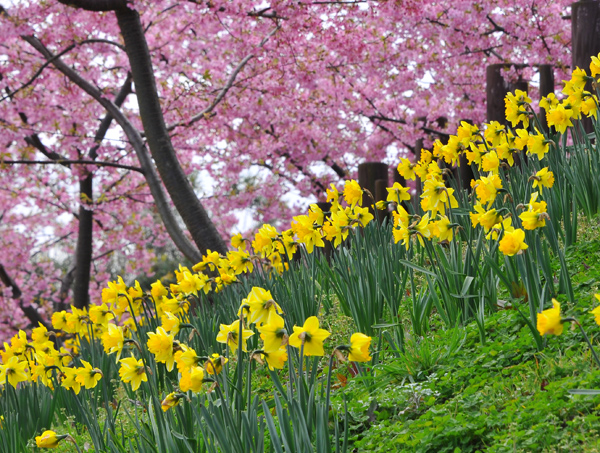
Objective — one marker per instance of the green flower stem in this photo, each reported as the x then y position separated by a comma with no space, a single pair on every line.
70,438
301,370
240,369
585,337
327,398
189,326
249,378
301,378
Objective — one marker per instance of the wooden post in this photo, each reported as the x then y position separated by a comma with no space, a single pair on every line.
546,87
585,32
325,206
418,186
585,40
465,173
368,173
381,194
496,89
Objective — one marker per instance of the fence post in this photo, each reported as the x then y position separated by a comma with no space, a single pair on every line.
368,173
585,32
546,87
497,88
418,186
381,186
585,40
325,206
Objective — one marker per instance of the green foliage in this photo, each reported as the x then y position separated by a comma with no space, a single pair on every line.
502,396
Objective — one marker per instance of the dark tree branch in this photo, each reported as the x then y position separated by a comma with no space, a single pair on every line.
208,110
34,140
30,312
103,41
37,73
136,141
67,163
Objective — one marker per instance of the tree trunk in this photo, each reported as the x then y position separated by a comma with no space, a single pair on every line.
84,250
184,198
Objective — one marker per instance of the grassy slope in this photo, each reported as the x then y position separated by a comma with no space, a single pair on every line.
501,396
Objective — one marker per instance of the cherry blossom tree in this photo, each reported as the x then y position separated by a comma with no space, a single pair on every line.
130,125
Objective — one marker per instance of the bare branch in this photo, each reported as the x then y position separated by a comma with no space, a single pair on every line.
29,310
37,73
208,110
72,162
103,41
171,224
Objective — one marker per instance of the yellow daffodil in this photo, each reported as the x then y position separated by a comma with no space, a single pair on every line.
114,292
397,193
513,242
49,439
402,234
577,82
59,319
214,364
490,162
353,193
475,153
516,108
276,359
538,145
359,348
307,232
88,376
488,219
160,343
532,219
486,188
521,139
543,178
263,240
333,196
596,311
101,314
170,322
406,169
560,118
171,400
229,334
441,229
273,333
186,358
40,334
133,371
360,216
548,321
595,66
69,380
192,379
240,261
15,371
113,339
158,291
311,336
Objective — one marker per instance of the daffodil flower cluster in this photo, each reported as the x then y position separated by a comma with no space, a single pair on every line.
38,361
